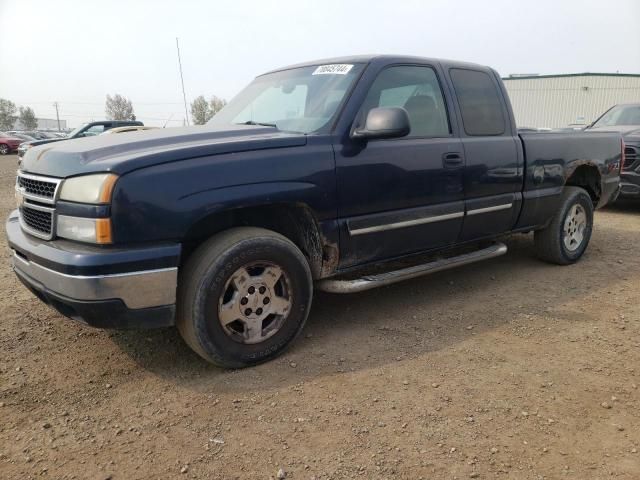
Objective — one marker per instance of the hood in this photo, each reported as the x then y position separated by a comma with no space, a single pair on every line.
625,130
35,143
125,152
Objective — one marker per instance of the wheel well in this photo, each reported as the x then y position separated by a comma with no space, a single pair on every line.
296,222
587,177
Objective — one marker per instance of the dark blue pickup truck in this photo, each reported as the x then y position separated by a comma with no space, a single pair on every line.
345,174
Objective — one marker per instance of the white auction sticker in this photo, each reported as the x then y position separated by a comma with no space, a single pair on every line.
335,69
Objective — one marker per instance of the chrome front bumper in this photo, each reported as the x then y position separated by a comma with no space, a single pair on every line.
130,286
143,289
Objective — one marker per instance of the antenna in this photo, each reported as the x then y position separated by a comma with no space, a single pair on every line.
184,96
168,119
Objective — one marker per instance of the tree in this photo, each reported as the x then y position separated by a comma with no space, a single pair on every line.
216,104
7,114
202,111
119,108
28,118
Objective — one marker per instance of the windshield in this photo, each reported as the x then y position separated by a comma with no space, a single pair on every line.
77,130
300,100
620,115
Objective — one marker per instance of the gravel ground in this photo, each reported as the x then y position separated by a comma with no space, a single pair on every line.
511,369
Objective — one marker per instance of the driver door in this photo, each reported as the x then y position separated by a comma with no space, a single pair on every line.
403,195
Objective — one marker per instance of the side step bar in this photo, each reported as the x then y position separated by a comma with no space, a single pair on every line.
387,278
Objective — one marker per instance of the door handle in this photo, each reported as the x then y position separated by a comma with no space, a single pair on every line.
452,160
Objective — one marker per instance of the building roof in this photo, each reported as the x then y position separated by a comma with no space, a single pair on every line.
562,75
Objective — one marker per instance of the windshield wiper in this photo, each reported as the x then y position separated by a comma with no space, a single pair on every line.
264,124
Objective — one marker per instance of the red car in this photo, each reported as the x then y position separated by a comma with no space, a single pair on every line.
8,143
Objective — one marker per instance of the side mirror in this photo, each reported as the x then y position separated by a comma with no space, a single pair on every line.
384,122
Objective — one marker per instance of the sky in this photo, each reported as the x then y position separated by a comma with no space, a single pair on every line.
76,52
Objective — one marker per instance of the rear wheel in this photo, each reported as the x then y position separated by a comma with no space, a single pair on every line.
4,149
566,238
244,295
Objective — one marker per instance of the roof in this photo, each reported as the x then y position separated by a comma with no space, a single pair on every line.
375,57
562,75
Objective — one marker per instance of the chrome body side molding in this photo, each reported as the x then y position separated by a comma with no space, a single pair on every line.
495,208
406,223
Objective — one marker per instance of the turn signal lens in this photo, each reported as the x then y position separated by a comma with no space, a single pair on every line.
89,230
103,230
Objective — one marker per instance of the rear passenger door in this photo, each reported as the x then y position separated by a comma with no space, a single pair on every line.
493,173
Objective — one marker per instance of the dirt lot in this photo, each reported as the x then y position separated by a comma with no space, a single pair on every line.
508,369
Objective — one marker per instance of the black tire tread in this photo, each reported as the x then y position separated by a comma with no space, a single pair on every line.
194,270
547,240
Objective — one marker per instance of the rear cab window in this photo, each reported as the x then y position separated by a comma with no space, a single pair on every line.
480,102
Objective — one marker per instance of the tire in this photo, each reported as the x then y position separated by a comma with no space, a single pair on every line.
218,277
4,149
565,240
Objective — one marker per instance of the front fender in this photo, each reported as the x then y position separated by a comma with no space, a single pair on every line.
164,201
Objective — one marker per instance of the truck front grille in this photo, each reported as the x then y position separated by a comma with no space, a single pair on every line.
630,157
38,220
37,206
40,188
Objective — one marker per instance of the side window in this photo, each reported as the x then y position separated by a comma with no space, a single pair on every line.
94,130
480,103
416,89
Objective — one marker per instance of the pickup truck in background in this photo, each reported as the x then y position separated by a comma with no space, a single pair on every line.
624,119
343,174
85,130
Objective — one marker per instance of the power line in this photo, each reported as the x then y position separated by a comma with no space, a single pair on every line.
92,115
96,103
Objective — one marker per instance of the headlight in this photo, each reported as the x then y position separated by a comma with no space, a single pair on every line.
93,189
90,189
92,230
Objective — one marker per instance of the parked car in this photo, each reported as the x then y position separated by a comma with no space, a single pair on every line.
313,175
625,119
84,130
22,136
132,128
32,133
8,143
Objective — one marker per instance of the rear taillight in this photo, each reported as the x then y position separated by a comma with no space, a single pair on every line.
622,158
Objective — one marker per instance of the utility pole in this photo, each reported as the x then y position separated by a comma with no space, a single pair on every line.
184,96
55,104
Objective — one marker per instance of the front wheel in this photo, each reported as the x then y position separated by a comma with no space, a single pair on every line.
244,295
4,149
566,238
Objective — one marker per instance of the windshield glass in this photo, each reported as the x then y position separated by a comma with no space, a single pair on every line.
620,115
297,100
77,130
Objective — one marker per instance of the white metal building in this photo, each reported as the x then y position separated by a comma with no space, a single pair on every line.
566,100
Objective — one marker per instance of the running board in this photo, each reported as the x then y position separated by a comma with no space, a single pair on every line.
387,278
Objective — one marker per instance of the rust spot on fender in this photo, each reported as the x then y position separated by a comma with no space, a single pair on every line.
330,257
